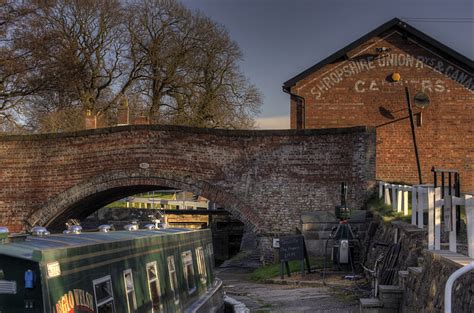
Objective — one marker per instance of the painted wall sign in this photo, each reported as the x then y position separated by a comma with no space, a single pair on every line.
354,67
76,301
427,85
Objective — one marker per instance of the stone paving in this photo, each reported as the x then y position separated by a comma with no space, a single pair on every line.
261,298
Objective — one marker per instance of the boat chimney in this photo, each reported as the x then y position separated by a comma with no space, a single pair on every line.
39,231
105,228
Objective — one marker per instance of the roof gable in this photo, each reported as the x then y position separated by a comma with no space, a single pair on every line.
395,24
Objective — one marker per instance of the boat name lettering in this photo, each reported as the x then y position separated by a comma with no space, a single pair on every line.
77,300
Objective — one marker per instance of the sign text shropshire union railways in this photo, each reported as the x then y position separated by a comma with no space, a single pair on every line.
352,68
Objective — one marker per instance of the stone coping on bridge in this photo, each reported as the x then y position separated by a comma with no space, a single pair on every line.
174,128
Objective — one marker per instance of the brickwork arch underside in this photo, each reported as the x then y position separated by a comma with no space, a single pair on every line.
87,197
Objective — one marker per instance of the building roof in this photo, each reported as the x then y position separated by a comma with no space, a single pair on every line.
32,247
407,29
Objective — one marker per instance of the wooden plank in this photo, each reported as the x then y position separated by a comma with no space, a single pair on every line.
431,221
405,202
421,205
452,233
457,201
437,219
414,205
386,199
399,199
394,197
469,205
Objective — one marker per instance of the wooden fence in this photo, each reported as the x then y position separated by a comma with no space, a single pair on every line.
426,198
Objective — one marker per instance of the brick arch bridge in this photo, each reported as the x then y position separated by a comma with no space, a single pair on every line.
265,178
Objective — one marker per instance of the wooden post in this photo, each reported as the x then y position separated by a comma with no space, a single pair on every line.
394,197
421,205
469,205
399,198
405,200
414,204
287,265
386,199
431,220
412,125
380,190
450,221
437,217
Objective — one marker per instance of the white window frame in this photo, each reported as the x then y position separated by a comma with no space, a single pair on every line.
129,271
173,278
201,262
99,281
155,281
186,264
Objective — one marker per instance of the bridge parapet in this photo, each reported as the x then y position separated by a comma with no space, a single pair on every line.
265,178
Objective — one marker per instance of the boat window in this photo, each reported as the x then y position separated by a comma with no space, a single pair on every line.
201,264
210,253
188,269
154,286
104,296
173,279
210,250
130,291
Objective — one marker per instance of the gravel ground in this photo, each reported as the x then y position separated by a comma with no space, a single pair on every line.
285,298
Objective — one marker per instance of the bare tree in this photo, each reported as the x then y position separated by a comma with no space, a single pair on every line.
67,57
160,44
15,70
222,95
78,45
187,68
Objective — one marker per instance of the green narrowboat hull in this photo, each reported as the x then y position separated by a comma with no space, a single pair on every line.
110,272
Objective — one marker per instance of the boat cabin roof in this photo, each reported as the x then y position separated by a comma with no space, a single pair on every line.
34,247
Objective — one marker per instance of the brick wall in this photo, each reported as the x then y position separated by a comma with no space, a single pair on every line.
358,91
265,178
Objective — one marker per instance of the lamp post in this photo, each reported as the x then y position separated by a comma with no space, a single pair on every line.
412,125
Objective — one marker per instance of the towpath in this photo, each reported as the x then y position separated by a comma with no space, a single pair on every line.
259,297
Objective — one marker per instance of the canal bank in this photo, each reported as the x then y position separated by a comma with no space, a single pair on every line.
270,297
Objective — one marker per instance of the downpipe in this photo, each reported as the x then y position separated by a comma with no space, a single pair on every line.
448,290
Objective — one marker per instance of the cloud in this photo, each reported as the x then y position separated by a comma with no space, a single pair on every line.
274,122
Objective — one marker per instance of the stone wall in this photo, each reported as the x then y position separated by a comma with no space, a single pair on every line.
266,179
413,241
423,274
424,290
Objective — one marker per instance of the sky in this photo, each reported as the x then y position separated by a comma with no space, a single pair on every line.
281,38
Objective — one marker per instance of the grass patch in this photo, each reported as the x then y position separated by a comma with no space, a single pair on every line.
273,270
164,196
345,295
387,213
117,204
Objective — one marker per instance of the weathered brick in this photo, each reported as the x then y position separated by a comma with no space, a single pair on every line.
266,178
365,95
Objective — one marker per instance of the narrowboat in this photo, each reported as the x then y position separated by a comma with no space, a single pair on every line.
136,270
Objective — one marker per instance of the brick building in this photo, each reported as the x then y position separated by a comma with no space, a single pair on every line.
364,84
